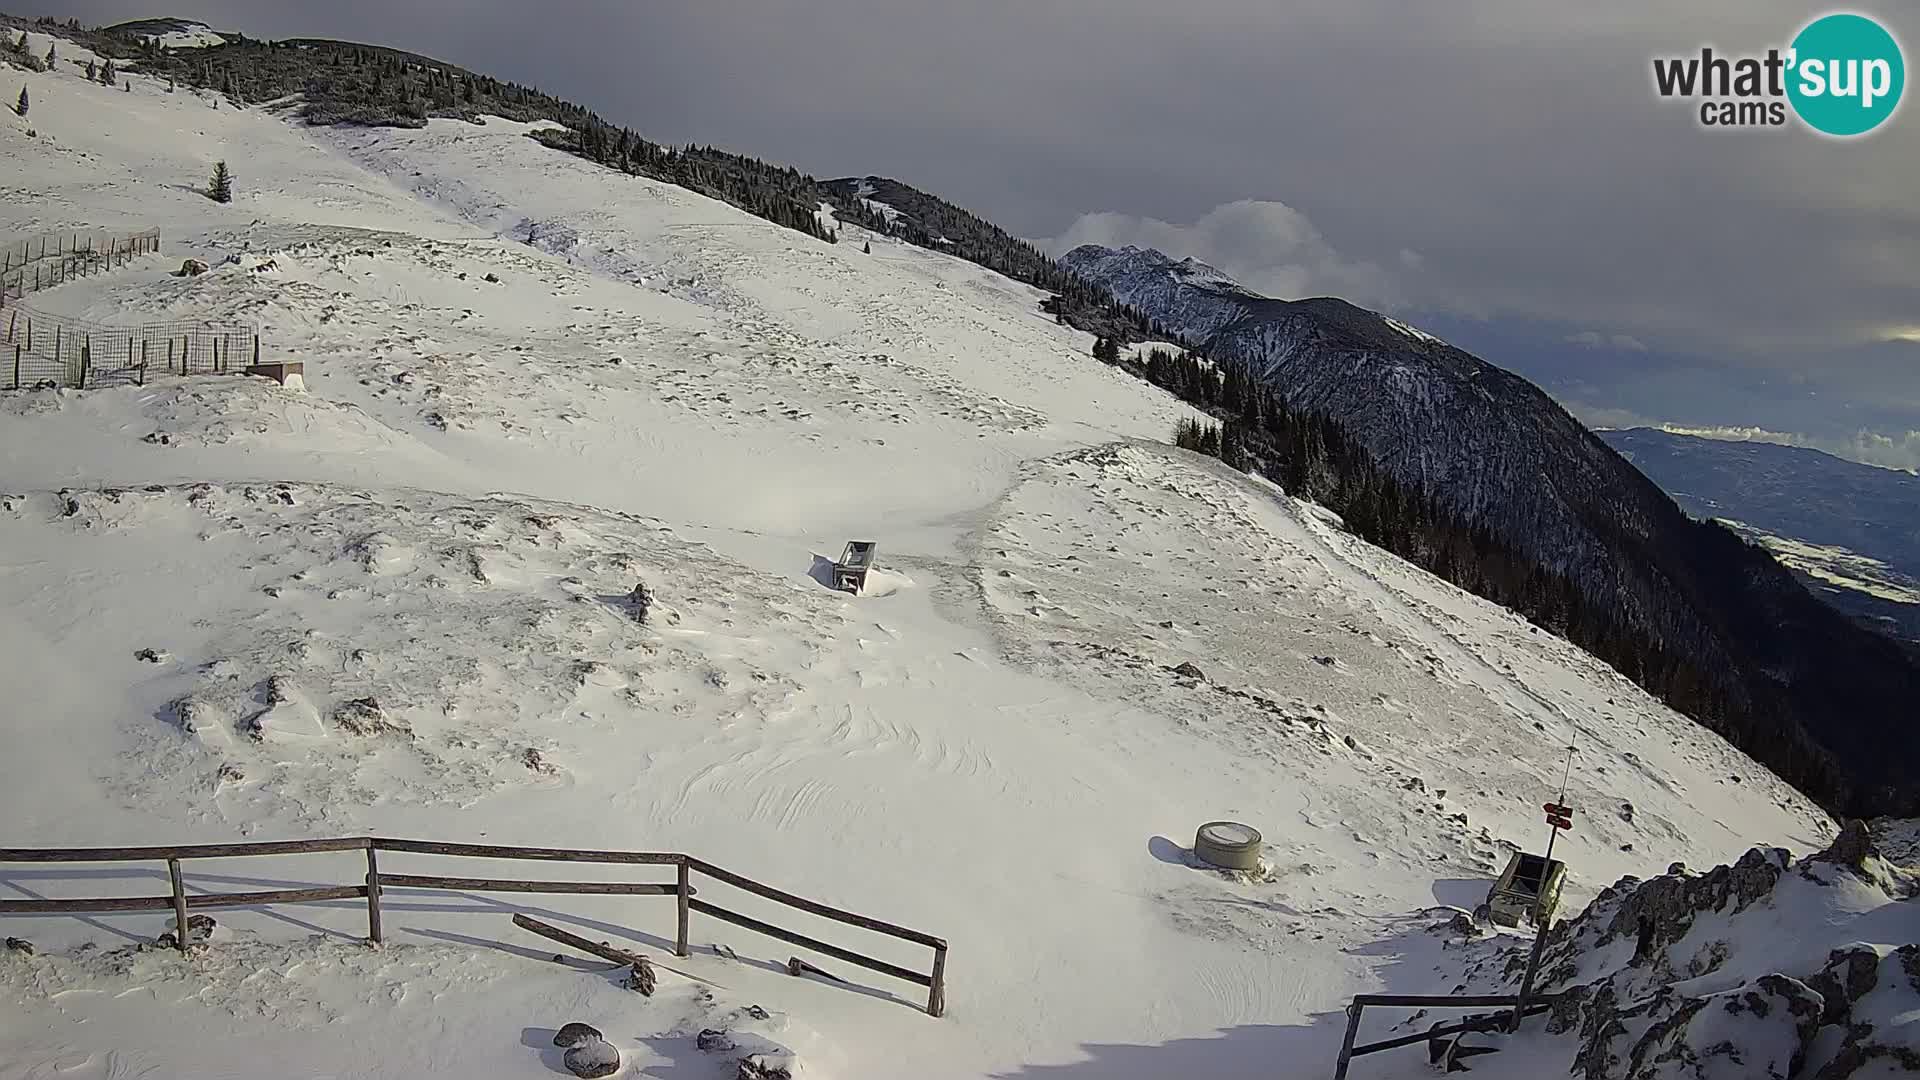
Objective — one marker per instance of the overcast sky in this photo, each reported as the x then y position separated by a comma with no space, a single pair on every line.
1498,168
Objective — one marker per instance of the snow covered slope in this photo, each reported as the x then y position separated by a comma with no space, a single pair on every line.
396,602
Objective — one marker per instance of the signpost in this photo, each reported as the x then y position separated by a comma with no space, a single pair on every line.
1559,816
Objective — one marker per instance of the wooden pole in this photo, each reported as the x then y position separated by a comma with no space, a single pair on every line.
16,367
256,350
1346,1045
143,361
373,897
170,355
937,994
179,904
685,893
603,951
86,359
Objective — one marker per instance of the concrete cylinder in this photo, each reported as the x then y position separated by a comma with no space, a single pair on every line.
1228,845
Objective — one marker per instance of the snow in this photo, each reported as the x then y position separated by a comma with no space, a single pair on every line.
889,213
1413,332
189,36
395,602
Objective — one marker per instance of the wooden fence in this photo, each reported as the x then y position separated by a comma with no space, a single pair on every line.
681,888
38,349
41,262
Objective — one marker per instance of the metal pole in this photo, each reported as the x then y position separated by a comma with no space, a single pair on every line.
1539,906
1346,1045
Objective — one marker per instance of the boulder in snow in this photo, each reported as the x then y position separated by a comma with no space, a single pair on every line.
591,1058
575,1033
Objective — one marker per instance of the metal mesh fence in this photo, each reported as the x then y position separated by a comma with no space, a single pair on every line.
41,262
39,349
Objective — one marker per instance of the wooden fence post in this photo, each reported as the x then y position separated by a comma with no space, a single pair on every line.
373,896
143,361
256,350
937,993
170,355
86,359
16,366
685,891
179,905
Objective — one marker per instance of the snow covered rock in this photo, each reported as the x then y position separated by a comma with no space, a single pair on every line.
1744,971
575,1033
591,1058
1762,1029
766,1067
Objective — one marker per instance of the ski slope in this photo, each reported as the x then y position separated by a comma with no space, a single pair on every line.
991,745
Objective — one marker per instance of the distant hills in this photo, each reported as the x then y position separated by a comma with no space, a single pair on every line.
1851,531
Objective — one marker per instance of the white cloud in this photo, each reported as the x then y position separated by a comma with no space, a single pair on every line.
1593,339
1267,246
1897,451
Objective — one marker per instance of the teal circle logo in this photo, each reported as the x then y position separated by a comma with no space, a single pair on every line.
1847,75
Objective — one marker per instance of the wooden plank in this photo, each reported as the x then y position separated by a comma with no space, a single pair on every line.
806,942
162,903
277,896
180,851
87,904
599,949
495,851
1441,1000
814,907
604,888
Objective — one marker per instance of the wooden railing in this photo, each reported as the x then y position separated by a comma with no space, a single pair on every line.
682,889
1438,1033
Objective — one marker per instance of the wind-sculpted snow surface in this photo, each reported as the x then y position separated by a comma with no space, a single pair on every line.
354,648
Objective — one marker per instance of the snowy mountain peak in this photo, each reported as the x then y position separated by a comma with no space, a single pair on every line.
1130,262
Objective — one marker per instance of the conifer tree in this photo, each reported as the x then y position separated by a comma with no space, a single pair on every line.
107,74
92,72
22,107
221,190
53,53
